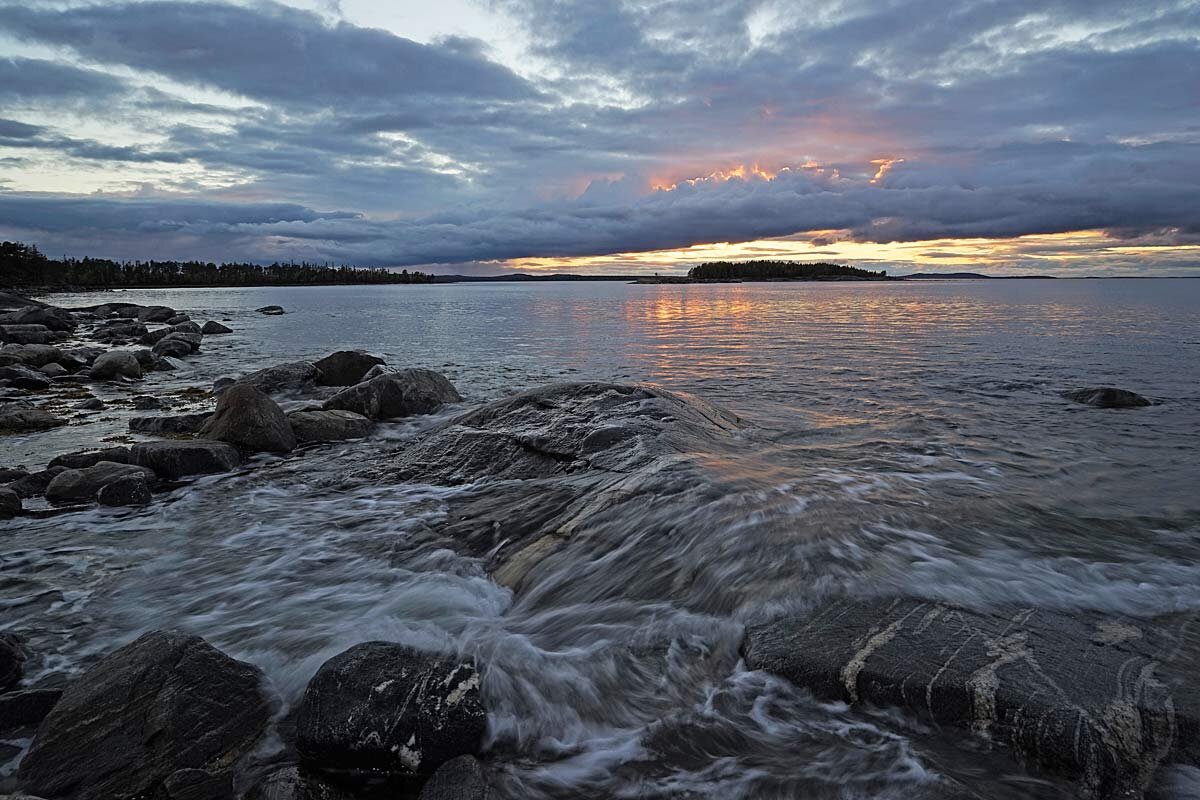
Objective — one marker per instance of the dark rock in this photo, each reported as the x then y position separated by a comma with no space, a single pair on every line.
177,345
53,370
18,418
77,358
55,319
22,377
35,483
26,708
131,490
270,310
251,420
10,503
400,394
33,355
178,319
116,364
295,783
88,458
91,404
345,367
119,331
221,384
187,326
168,425
377,370
381,707
213,327
26,334
146,358
81,485
163,703
1107,397
153,337
13,655
1087,697
11,301
328,426
156,314
9,474
174,460
197,784
461,778
145,402
295,376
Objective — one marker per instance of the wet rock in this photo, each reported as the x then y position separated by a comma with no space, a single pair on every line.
212,327
53,370
155,314
77,358
145,402
179,319
91,404
377,370
294,376
381,707
328,426
345,367
35,483
87,458
1095,699
399,394
11,301
188,327
20,376
81,485
176,460
131,490
16,417
170,425
197,784
33,355
145,357
250,420
1107,397
55,319
163,703
271,310
26,708
295,783
177,345
116,364
9,474
10,503
153,337
13,655
461,778
119,331
26,334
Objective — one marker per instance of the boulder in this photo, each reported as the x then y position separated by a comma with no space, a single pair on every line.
296,783
119,331
33,355
345,367
399,394
178,319
20,376
1096,699
9,474
145,357
153,337
91,404
131,490
10,503
81,485
1107,397
170,425
26,708
377,370
382,707
88,458
116,364
35,483
13,655
11,301
173,348
197,784
26,334
461,778
294,376
155,314
77,358
252,421
145,402
16,417
53,370
164,703
213,327
328,426
55,319
271,310
188,327
178,459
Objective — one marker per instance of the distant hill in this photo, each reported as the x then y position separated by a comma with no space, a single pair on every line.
781,271
967,276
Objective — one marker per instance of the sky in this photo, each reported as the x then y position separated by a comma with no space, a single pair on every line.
631,136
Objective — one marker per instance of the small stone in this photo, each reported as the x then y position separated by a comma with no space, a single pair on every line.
91,404
270,310
81,485
145,402
1108,397
10,503
130,490
53,370
116,364
213,327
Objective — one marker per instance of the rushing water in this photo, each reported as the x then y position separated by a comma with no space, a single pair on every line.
901,438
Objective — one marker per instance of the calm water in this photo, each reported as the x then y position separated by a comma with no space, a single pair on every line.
908,438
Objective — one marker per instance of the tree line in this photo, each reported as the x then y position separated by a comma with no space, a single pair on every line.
781,270
24,265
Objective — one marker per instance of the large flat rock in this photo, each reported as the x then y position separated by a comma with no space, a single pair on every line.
1103,701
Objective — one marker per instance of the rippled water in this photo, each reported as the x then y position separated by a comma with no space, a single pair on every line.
900,438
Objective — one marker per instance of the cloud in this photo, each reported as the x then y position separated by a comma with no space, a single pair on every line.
32,79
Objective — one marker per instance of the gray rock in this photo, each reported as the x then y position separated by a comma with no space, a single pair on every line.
26,334
295,376
33,355
252,421
179,319
10,503
178,459
1107,397
212,327
87,458
81,485
328,426
187,326
155,314
270,310
91,404
461,778
169,425
17,418
163,703
151,338
381,707
399,394
295,783
119,331
76,358
53,370
35,483
145,402
9,474
345,367
11,301
177,345
22,377
377,370
55,319
1095,699
131,490
197,784
145,357
116,364
26,708
13,655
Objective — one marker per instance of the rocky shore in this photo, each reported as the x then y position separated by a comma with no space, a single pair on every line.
1103,702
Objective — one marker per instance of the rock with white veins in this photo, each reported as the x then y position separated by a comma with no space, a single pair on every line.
384,708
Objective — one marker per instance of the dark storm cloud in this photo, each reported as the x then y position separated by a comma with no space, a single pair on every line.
32,79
